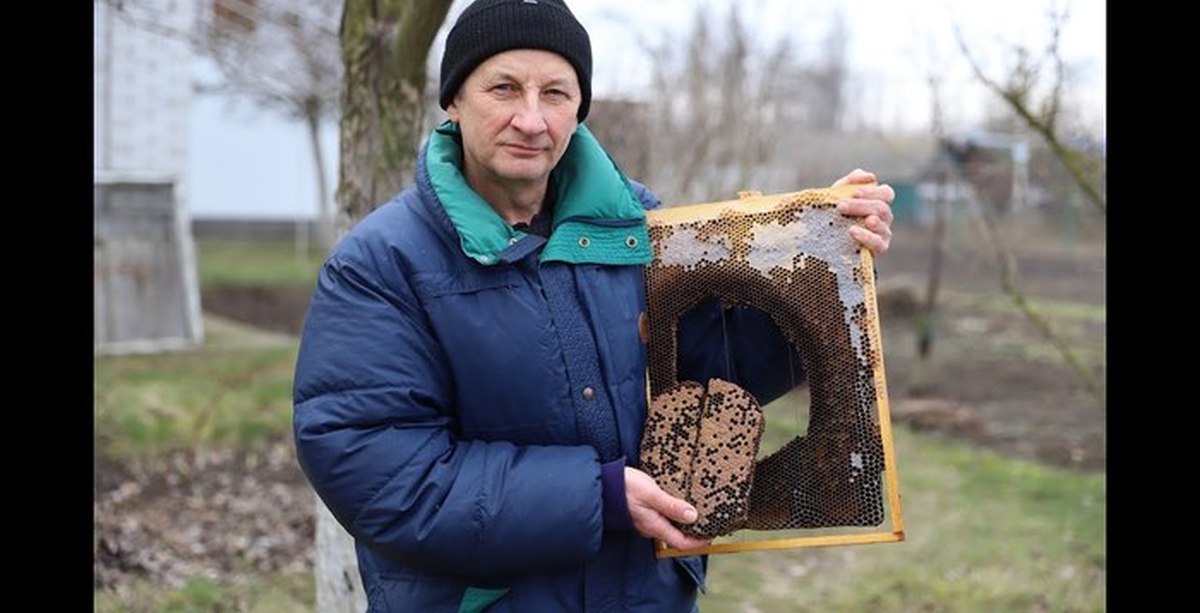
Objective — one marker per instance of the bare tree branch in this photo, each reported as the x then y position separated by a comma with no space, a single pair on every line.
729,103
1008,280
281,55
1017,93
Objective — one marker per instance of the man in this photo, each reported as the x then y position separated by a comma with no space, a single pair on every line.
470,388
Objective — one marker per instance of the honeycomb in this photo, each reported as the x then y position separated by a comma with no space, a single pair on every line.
703,442
791,256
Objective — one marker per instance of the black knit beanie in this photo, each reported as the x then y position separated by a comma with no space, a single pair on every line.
488,27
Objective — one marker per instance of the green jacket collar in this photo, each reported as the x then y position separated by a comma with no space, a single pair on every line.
598,218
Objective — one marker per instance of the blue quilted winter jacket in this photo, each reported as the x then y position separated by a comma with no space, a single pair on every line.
460,382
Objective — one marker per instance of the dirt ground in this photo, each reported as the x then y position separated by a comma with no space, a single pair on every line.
993,380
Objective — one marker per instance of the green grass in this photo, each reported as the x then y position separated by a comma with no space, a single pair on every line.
235,391
255,262
1002,303
983,533
274,593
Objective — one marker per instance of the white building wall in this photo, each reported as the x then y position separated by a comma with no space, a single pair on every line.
146,288
143,87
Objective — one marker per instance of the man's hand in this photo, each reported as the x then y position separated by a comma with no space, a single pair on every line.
652,510
873,204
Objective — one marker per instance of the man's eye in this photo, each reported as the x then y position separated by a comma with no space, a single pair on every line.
504,87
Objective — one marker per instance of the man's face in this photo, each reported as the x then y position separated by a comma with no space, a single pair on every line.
517,114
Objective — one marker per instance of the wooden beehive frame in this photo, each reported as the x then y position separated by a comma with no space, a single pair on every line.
751,203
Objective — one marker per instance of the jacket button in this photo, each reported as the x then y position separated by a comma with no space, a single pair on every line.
588,393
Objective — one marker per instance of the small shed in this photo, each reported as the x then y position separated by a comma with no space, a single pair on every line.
146,292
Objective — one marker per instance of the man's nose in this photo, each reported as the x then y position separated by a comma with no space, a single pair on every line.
529,117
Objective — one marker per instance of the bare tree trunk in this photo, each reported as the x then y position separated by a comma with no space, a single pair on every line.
339,588
927,316
324,210
385,44
384,47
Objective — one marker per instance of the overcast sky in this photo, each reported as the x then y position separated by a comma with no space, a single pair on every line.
250,164
894,44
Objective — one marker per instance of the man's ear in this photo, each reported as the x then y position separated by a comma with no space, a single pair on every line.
452,111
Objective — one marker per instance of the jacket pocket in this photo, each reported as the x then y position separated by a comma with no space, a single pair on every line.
431,285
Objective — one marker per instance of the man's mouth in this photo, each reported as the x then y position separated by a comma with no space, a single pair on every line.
520,150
